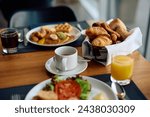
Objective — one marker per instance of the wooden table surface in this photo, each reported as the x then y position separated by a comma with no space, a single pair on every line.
29,68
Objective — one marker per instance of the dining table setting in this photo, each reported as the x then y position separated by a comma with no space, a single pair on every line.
71,55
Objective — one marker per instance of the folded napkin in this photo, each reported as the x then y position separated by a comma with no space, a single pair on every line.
130,44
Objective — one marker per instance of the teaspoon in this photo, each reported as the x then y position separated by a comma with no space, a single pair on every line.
84,60
118,90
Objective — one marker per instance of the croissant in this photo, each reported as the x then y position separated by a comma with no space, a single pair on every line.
101,41
106,27
93,32
113,38
96,24
123,33
120,28
117,23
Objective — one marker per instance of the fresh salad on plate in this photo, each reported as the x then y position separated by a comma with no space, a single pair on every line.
65,89
72,87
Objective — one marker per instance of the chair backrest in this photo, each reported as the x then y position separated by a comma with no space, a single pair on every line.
9,7
44,15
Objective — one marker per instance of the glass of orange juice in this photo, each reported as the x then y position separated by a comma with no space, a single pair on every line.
122,69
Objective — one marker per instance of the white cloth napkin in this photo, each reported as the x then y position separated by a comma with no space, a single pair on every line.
130,44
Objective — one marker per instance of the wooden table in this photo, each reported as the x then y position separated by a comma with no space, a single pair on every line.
28,68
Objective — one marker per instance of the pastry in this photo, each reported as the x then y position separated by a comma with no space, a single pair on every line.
48,30
117,23
120,28
96,24
106,27
63,27
101,41
103,34
123,33
114,38
93,32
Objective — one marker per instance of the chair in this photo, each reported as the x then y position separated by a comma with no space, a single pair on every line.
43,15
9,7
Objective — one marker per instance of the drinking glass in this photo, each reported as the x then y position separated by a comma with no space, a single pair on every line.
122,68
9,40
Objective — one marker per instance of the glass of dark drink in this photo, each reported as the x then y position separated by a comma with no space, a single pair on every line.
9,39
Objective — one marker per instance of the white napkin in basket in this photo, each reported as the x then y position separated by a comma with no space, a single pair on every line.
130,44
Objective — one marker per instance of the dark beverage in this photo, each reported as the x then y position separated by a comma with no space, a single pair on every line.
9,39
66,54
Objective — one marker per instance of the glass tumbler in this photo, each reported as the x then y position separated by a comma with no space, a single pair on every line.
9,39
122,69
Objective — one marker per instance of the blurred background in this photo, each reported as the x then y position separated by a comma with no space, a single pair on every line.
134,13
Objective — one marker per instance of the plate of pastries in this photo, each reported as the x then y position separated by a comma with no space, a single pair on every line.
102,34
53,35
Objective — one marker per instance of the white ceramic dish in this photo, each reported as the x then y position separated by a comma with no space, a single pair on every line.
97,86
50,66
74,32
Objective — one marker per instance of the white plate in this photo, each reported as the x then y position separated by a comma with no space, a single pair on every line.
50,66
74,32
97,86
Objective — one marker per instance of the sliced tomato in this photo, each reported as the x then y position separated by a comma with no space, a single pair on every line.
67,89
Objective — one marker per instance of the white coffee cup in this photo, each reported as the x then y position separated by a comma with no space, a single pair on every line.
66,58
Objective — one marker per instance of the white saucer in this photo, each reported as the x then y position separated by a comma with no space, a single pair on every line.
50,66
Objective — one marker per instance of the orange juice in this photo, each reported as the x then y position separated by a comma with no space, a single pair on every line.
122,67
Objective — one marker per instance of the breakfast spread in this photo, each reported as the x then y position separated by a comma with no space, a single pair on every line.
72,88
57,34
103,34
